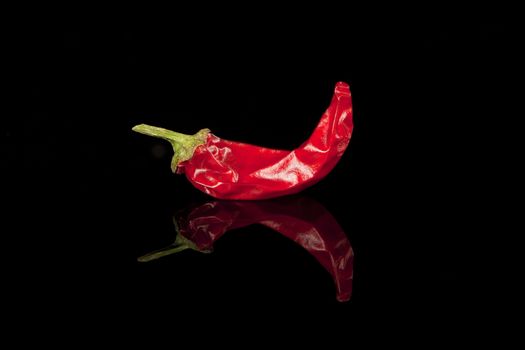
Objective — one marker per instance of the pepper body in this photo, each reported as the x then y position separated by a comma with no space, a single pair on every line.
239,171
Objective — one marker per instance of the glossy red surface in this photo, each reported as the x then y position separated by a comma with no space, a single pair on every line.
302,220
232,170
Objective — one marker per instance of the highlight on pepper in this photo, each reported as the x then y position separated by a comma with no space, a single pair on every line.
232,170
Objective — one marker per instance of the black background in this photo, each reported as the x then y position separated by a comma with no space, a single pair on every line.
430,98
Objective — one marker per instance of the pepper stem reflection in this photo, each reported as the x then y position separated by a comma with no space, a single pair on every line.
181,243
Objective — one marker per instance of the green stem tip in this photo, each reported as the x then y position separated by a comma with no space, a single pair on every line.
183,145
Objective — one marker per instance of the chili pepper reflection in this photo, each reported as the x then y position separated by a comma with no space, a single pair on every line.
301,219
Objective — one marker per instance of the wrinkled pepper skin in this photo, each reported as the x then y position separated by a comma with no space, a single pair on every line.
238,171
301,219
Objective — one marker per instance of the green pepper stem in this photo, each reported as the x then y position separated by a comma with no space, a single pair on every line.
183,145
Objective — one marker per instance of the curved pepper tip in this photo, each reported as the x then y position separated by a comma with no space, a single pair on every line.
342,88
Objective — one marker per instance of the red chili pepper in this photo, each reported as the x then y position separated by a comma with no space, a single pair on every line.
233,170
302,220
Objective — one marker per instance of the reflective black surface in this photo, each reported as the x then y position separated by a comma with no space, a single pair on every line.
87,197
298,218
